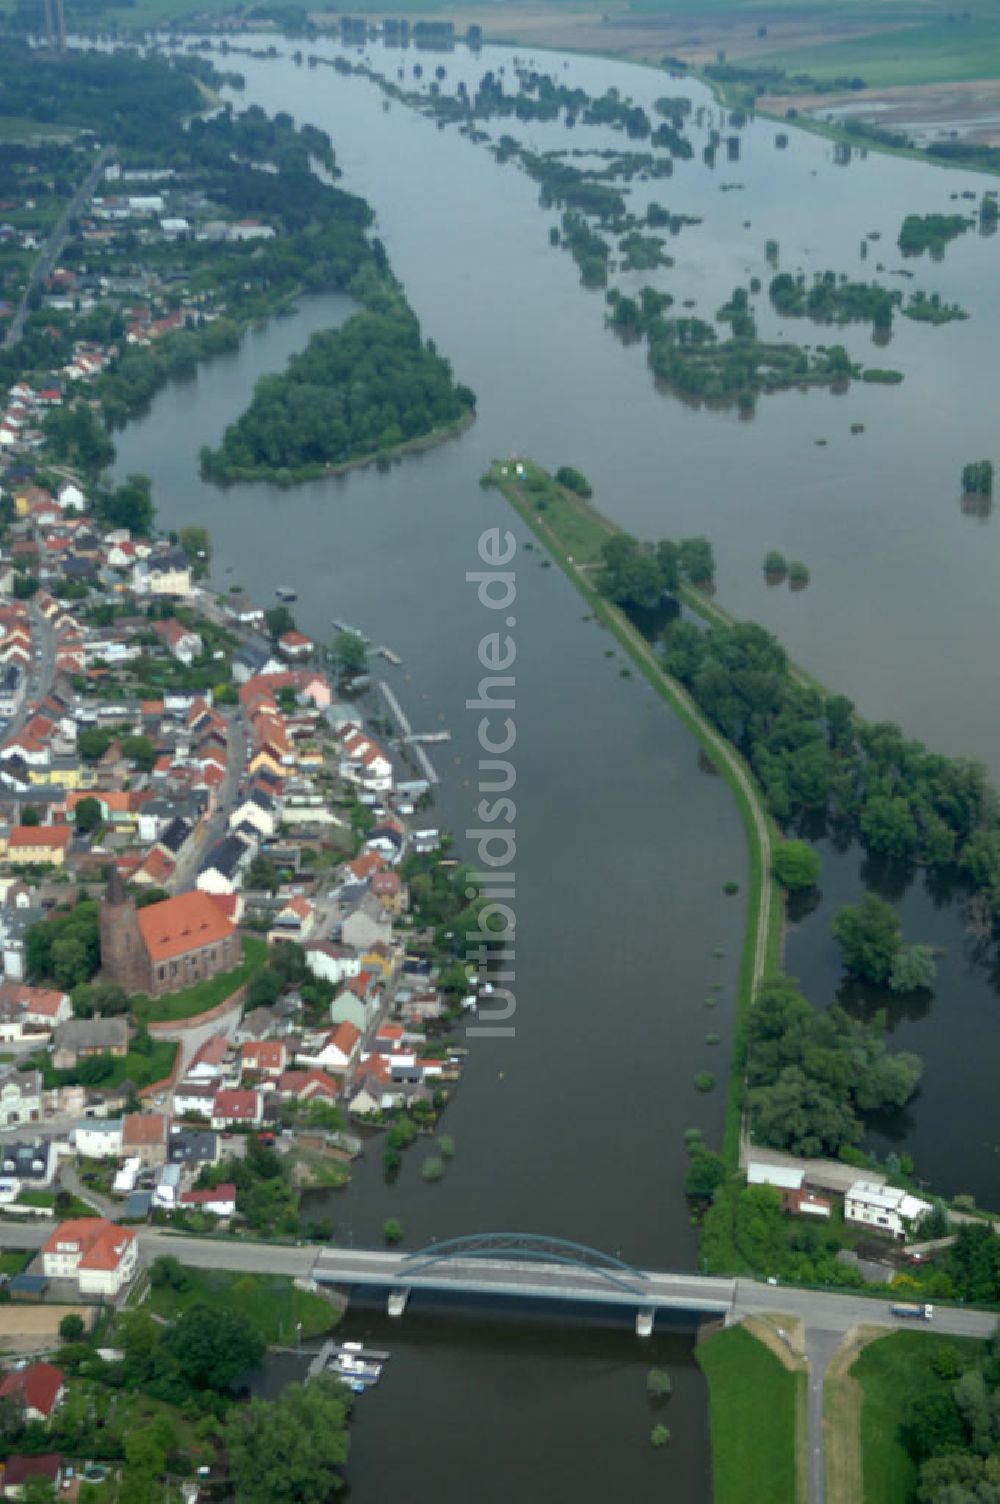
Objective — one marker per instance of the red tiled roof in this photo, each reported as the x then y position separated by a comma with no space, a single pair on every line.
144,1128
236,1105
263,1054
17,1470
225,1192
181,924
43,837
100,1244
38,1386
344,1037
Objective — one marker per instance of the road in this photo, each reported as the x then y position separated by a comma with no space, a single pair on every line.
41,670
831,1312
52,249
826,1320
826,1317
215,827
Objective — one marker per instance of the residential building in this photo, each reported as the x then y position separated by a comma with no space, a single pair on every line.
194,1099
237,1109
193,1147
166,572
39,1389
308,1086
179,640
33,845
99,1255
884,1207
33,1162
221,871
264,1057
20,1097
219,1202
367,925
332,962
339,1050
144,1136
12,687
18,1471
98,1138
77,1038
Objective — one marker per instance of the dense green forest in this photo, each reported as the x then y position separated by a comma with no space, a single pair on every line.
121,96
813,1076
360,390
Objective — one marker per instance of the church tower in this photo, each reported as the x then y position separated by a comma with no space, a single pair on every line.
123,951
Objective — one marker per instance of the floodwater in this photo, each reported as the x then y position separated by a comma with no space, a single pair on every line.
573,1124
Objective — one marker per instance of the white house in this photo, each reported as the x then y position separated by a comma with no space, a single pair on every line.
220,1202
331,962
98,1138
339,1052
179,640
70,497
885,1207
99,1255
194,1099
258,810
20,1098
365,763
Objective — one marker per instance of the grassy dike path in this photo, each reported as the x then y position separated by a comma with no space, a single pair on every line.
574,533
756,1405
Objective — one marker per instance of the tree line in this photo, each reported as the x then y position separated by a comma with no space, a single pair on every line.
812,754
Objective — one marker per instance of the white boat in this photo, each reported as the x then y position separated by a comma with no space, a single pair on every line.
351,1369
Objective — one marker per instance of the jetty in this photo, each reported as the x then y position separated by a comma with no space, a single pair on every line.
406,732
387,653
321,1361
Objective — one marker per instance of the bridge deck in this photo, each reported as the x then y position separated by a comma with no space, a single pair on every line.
512,1278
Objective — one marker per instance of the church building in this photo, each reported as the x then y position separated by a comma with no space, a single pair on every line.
166,946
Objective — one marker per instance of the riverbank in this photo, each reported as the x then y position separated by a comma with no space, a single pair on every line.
574,532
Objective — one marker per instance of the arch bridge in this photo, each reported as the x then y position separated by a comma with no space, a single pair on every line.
524,1266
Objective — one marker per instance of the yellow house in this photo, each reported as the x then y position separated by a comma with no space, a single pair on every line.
31,845
22,505
378,959
265,758
64,773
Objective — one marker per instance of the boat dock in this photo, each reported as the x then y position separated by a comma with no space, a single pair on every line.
406,731
390,657
321,1361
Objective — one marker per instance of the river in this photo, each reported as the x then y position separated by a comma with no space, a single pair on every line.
574,1125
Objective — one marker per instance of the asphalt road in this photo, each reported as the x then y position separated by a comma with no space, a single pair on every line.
826,1316
52,249
215,828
